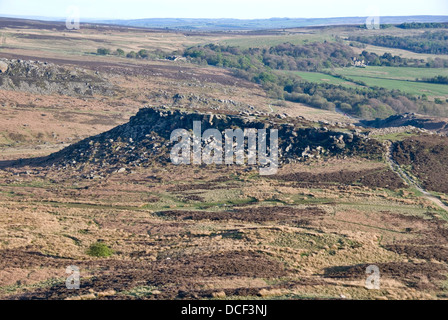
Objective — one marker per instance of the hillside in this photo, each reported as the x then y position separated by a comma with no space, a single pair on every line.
145,139
87,177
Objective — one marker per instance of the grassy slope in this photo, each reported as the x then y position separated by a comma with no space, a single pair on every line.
399,78
265,41
321,78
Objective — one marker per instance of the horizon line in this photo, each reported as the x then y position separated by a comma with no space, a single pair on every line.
26,17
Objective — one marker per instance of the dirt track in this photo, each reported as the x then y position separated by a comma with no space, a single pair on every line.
410,181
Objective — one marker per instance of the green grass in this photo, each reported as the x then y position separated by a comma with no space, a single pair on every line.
386,77
399,78
139,292
321,78
99,249
269,41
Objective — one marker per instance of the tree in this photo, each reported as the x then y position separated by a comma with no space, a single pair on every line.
132,55
103,51
143,54
266,77
345,107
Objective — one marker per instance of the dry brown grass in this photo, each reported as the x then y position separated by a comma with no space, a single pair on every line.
49,217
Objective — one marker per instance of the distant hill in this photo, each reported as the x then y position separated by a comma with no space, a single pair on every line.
259,24
216,24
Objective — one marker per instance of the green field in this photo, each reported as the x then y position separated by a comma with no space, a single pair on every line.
269,41
399,78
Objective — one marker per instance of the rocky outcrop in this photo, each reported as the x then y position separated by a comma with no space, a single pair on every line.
408,121
145,139
47,78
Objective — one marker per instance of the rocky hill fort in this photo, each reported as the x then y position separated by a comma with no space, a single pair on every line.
209,147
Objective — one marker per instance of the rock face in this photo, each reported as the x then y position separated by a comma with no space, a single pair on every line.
47,78
145,139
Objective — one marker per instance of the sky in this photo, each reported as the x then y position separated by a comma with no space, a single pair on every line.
238,9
